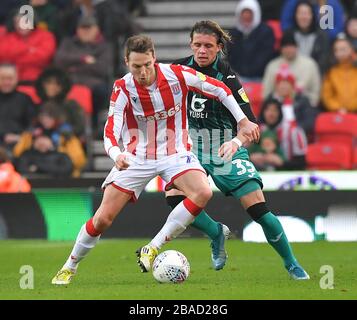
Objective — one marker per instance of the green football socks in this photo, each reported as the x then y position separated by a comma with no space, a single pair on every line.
206,224
276,237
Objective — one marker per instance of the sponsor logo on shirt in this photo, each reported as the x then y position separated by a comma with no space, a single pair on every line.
197,107
161,115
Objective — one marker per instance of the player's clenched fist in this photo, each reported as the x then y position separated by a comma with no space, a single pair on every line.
122,162
250,130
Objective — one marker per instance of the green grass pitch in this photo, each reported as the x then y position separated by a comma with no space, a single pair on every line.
253,271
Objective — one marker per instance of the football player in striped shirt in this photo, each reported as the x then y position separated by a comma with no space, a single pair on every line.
148,113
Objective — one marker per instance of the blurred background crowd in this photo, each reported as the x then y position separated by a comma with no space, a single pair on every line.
55,80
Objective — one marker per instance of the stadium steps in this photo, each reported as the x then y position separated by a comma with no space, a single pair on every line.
169,23
175,23
101,161
184,8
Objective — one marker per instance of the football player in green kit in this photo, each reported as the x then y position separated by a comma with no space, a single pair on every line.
211,126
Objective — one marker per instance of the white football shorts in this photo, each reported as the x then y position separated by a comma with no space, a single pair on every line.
134,179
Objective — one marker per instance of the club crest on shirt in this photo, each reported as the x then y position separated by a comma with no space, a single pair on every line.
175,88
201,76
243,95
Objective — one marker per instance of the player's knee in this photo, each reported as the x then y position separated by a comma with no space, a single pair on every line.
103,222
203,196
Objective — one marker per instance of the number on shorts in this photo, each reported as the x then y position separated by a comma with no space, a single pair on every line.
244,166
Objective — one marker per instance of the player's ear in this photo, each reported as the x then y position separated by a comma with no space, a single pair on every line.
126,61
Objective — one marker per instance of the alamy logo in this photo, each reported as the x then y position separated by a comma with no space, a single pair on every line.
327,280
326,17
27,280
26,14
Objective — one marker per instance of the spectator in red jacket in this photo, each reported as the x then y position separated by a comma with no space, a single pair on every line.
31,50
10,180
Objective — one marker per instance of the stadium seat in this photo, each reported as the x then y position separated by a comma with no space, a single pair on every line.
336,128
329,156
30,91
3,30
278,33
82,95
254,91
354,164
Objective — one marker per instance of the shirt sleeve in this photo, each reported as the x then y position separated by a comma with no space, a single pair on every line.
233,83
213,89
115,121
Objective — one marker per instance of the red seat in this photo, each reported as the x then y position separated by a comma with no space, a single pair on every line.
354,164
83,96
336,127
329,156
254,91
30,91
3,30
278,33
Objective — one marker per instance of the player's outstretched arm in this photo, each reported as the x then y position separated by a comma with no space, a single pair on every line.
213,88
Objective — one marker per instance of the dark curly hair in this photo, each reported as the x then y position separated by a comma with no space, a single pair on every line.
266,103
57,74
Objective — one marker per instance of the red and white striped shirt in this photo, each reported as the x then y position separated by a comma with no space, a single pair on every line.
152,121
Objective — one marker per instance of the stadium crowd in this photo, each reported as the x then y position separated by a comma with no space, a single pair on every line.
55,79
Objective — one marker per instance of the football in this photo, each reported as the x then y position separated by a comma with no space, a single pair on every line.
171,266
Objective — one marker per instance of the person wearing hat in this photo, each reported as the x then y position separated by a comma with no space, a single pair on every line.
304,69
296,107
88,60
